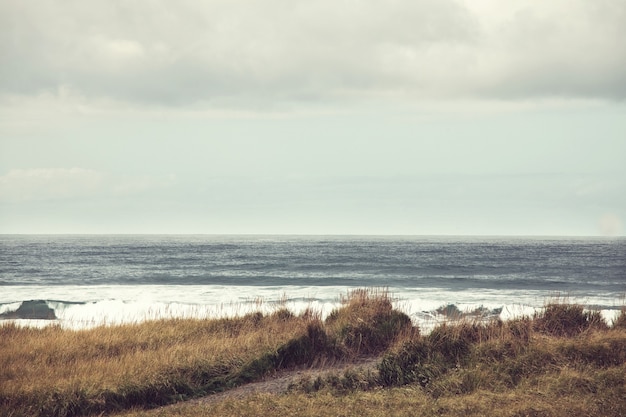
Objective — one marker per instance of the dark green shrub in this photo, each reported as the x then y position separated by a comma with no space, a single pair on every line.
367,323
374,336
567,320
452,342
413,362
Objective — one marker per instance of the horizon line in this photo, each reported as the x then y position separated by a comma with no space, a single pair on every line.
316,235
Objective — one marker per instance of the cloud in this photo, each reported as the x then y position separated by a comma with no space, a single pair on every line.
557,48
242,54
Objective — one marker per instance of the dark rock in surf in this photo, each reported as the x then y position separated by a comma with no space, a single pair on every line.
31,310
450,311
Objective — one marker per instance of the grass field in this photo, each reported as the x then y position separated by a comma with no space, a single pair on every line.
563,361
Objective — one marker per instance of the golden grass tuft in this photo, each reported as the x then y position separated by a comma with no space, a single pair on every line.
367,323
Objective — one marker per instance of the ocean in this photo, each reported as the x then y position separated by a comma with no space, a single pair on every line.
81,281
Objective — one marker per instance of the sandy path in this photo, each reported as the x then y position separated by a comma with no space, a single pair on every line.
280,382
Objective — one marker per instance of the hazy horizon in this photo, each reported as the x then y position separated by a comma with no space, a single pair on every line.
413,118
329,236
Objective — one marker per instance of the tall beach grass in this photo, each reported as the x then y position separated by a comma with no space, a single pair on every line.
563,352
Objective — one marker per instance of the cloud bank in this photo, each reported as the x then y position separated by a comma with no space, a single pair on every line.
252,54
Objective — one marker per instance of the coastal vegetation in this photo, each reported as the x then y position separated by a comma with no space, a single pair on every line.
563,361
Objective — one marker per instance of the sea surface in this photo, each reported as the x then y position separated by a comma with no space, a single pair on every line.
81,281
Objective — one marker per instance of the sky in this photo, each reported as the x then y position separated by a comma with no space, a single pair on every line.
404,117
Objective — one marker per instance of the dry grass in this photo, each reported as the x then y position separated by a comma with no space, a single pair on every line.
53,371
408,401
539,366
563,361
58,372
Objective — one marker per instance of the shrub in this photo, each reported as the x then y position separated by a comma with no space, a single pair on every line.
567,320
453,342
367,323
414,362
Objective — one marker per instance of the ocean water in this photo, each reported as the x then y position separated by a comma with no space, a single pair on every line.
84,281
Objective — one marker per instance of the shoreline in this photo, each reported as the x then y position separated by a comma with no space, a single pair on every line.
110,312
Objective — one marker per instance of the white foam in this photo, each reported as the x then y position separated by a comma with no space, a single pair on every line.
89,306
9,307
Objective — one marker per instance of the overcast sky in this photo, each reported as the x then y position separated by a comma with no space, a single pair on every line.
468,117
